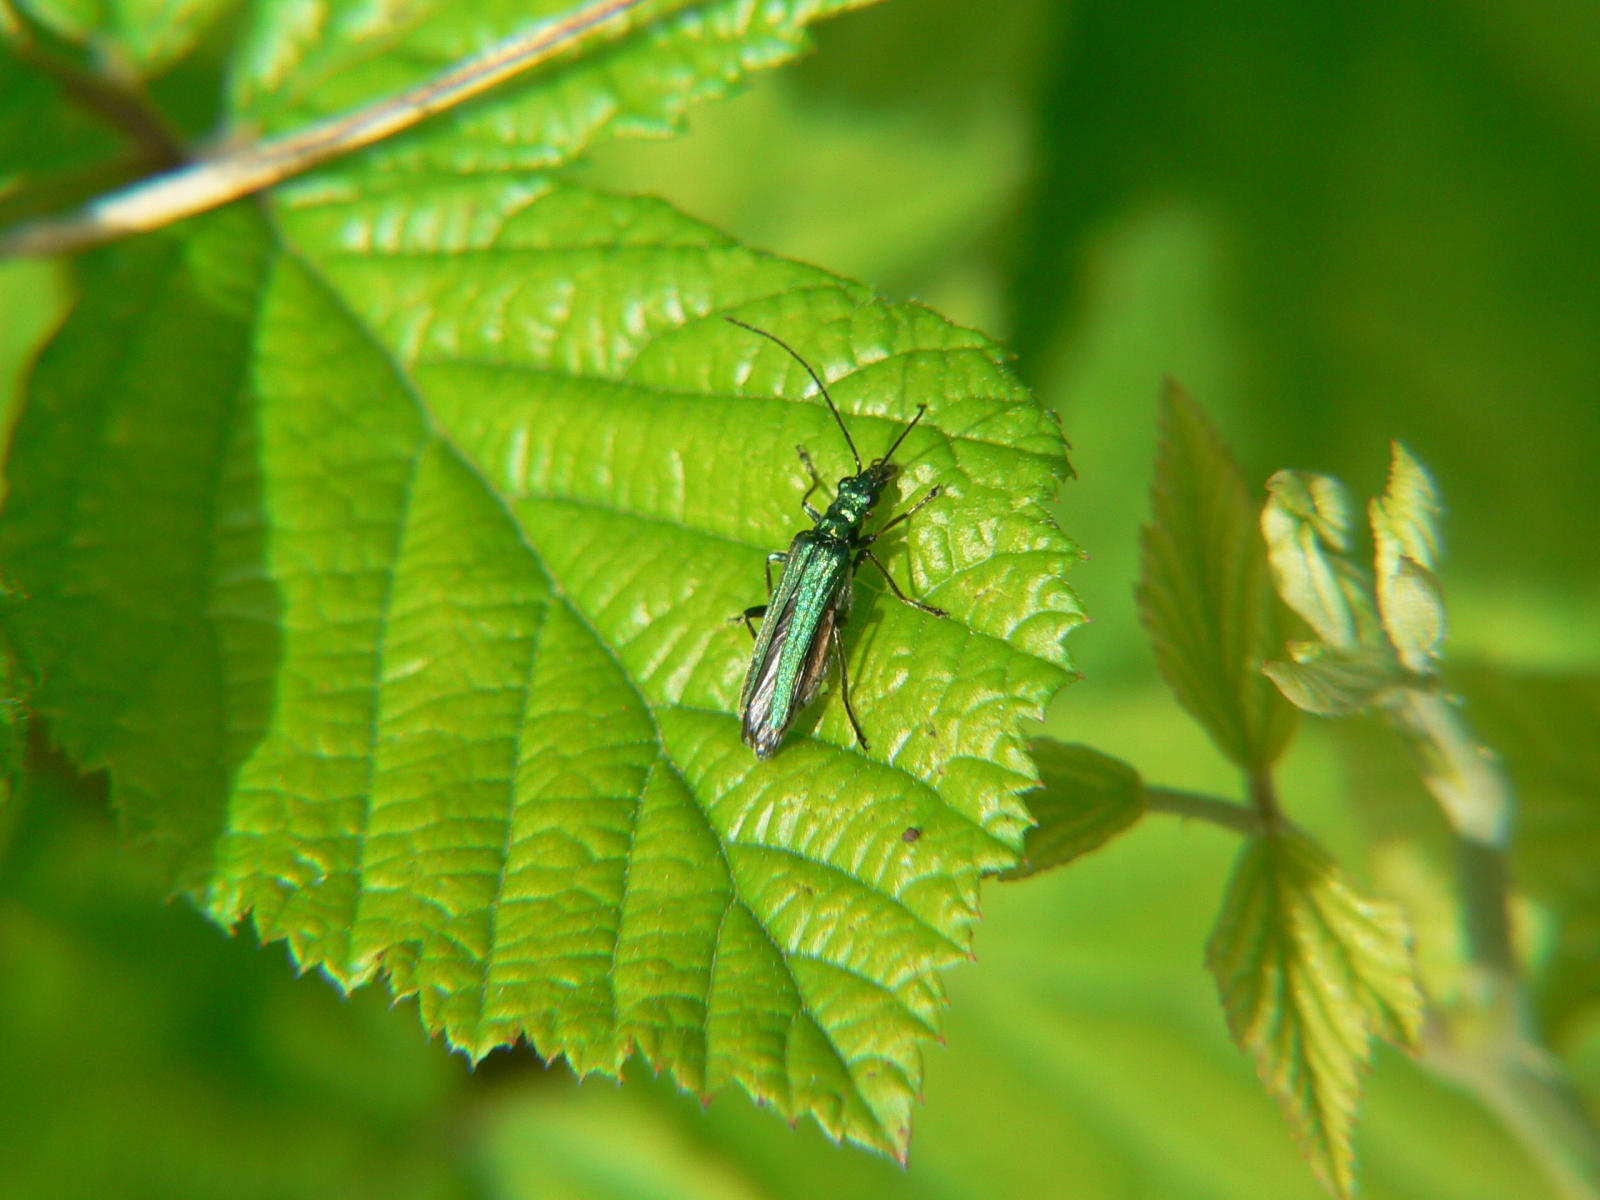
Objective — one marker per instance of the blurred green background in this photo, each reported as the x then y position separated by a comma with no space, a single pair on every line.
1336,224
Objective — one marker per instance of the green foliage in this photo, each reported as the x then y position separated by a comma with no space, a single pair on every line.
1310,971
1484,1037
1333,684
1307,527
1405,536
200,1066
1085,799
1378,630
145,36
1086,1046
1204,592
286,72
442,688
360,544
383,552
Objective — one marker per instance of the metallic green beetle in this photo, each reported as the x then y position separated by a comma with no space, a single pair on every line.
803,617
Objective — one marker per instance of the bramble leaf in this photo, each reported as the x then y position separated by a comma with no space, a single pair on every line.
1306,523
1204,592
645,68
1335,683
384,554
1405,536
1085,799
381,543
1378,628
1310,971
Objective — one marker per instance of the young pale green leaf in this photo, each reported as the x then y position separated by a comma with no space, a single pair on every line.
384,553
1306,523
1204,592
1335,684
1310,971
1084,800
1405,537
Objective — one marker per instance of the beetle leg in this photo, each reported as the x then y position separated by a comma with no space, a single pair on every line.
750,614
933,494
844,687
895,587
776,556
816,482
760,610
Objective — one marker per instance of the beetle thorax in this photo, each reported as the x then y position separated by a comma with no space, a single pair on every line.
855,499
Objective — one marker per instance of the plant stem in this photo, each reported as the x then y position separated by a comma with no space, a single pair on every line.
210,182
1523,1086
1464,777
1224,813
1489,1044
1264,799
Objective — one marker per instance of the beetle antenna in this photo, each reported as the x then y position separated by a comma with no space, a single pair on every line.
912,424
822,387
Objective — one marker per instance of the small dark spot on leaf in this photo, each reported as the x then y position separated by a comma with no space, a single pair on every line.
912,834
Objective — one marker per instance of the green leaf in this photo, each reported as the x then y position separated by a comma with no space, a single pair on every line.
1306,523
1405,538
1085,799
1334,683
1395,613
1086,1045
384,554
660,59
134,413
1310,971
33,300
1204,592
